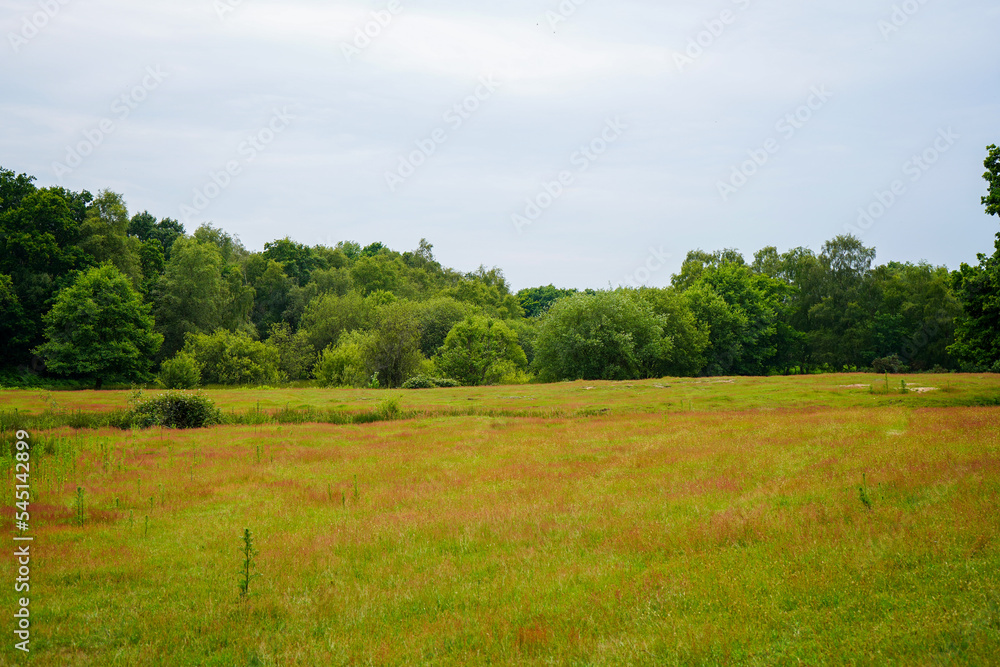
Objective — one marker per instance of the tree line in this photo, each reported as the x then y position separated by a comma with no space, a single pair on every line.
92,294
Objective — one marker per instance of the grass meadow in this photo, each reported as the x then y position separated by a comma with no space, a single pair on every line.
748,521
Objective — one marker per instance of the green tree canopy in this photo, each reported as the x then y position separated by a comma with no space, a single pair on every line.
537,300
104,235
977,331
227,357
14,324
686,356
99,328
992,163
437,317
481,350
393,349
604,336
328,316
199,293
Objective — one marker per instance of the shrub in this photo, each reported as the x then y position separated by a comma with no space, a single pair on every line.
181,372
890,364
603,336
481,350
296,356
388,409
235,358
428,382
175,409
419,382
343,365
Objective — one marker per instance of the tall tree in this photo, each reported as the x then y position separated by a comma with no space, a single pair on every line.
298,260
104,235
14,324
393,349
145,227
841,326
39,248
192,295
14,188
99,328
690,340
977,331
537,300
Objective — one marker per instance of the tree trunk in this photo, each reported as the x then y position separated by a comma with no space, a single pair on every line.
98,383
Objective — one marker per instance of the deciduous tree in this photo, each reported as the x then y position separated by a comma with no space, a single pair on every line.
99,328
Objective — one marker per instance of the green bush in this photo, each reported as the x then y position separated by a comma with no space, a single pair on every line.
481,351
235,359
603,336
175,409
890,364
181,372
428,382
343,365
419,382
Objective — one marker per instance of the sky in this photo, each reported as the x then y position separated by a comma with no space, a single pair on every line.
583,143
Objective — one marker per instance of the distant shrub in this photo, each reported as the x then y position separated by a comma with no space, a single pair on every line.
181,372
235,359
890,364
427,382
388,409
343,365
419,382
175,409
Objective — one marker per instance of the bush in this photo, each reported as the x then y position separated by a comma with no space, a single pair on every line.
296,356
419,382
388,409
480,351
602,336
235,358
343,365
174,409
890,364
181,372
428,382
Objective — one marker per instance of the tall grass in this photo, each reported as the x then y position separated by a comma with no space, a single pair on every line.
729,537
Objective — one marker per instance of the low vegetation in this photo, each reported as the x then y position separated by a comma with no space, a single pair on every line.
738,521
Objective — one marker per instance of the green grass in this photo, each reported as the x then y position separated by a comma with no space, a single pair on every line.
698,522
89,409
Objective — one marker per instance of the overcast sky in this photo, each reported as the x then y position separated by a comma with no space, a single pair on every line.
574,143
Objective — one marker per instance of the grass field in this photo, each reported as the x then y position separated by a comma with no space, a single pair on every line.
743,521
